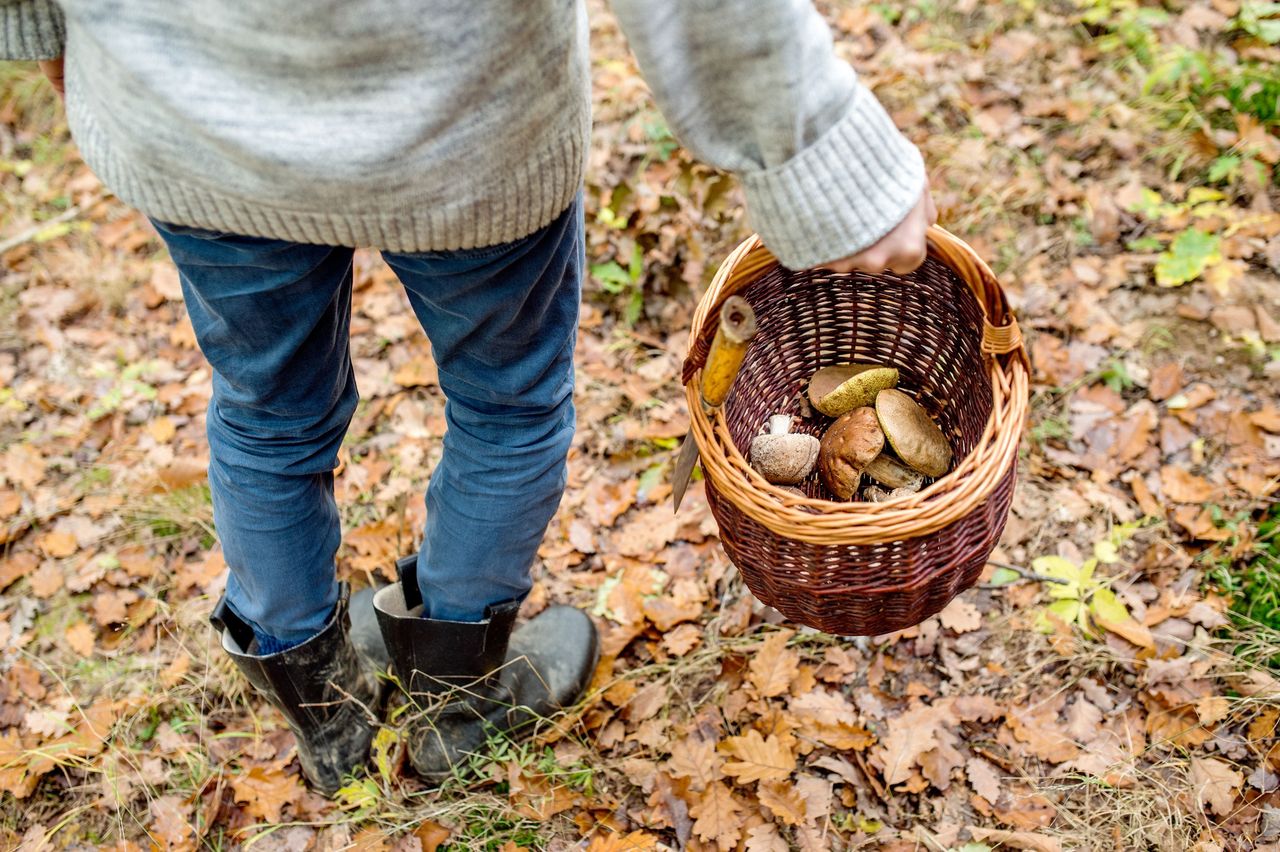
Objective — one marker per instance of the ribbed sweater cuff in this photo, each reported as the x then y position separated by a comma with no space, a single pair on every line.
31,29
842,193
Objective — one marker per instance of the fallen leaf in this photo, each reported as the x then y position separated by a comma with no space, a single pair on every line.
266,791
983,778
783,801
716,816
80,637
1025,840
636,841
57,545
960,616
46,580
1215,783
765,838
162,429
431,835
696,760
171,820
1180,486
774,665
757,758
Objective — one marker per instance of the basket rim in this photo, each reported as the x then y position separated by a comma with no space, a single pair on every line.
951,497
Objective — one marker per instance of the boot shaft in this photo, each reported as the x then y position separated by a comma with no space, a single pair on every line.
309,682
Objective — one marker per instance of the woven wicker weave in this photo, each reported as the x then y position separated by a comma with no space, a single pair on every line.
859,569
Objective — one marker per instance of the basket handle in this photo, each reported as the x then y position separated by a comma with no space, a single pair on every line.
1000,332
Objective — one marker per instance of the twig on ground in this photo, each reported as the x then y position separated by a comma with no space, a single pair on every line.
35,230
1023,573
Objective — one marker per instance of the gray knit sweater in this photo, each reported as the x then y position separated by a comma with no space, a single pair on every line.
418,125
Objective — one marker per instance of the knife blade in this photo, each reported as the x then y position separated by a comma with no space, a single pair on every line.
728,348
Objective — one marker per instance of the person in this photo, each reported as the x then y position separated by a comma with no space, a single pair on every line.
266,140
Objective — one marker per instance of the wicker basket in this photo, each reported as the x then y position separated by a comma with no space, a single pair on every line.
863,569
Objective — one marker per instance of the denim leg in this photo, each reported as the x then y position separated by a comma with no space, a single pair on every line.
502,323
272,318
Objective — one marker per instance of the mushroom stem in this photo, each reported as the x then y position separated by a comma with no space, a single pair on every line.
779,424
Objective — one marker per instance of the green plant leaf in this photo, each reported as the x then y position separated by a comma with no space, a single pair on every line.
1003,577
1106,606
1067,611
1187,257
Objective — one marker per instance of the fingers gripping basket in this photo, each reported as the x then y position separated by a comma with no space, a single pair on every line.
865,568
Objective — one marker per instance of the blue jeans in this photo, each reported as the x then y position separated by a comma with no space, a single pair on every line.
273,319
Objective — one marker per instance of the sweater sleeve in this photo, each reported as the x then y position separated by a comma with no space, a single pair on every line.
755,87
30,29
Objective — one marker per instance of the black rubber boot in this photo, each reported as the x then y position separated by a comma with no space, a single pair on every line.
471,680
328,695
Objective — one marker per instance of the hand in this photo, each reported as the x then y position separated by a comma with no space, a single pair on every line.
901,250
52,69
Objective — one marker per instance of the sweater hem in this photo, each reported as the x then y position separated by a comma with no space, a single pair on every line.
31,29
841,194
518,200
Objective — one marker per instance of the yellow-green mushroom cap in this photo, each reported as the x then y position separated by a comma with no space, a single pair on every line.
841,388
912,434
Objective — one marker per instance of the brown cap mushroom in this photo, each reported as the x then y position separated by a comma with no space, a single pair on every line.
841,388
782,457
850,445
893,474
915,438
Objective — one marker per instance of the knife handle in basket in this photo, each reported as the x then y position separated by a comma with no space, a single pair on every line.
737,327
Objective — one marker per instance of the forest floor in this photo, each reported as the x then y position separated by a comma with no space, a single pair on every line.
1113,160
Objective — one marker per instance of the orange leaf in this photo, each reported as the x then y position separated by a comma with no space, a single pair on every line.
783,801
57,544
758,758
80,637
1182,487
431,834
696,760
716,816
46,580
636,841
774,665
266,791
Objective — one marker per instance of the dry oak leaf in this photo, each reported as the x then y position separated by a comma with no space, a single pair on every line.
682,640
57,544
666,611
1216,784
23,465
15,775
266,790
46,580
1179,486
783,801
431,834
830,718
80,637
636,841
162,429
910,735
171,821
960,616
983,778
758,758
717,816
696,760
774,665
765,838
1026,840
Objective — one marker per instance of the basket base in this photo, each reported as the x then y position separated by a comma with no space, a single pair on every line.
940,572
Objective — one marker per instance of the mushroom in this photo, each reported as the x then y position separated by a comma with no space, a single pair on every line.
781,456
876,494
840,389
892,473
914,437
850,445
